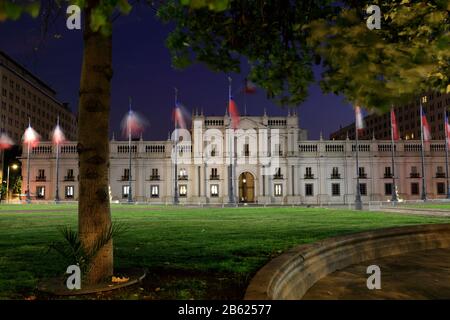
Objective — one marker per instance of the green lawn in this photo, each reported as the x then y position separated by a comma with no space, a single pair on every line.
190,252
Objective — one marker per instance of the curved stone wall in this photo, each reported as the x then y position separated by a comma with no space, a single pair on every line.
291,274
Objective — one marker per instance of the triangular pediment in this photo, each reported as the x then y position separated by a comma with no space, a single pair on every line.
250,123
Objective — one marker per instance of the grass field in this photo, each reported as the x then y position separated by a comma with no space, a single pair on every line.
190,252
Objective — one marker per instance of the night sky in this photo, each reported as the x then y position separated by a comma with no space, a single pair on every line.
142,70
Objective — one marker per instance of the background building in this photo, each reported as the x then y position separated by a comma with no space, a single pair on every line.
408,120
273,163
24,96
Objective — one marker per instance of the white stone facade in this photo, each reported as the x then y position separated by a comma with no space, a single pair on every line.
273,163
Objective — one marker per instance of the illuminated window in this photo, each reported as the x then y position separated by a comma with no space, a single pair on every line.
125,191
214,190
182,174
278,190
40,192
183,190
69,192
154,191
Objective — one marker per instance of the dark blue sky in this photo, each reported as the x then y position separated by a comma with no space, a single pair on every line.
142,70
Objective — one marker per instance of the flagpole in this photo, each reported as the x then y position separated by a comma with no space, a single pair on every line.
230,176
358,202
57,167
394,187
175,193
130,196
446,152
28,198
245,97
424,190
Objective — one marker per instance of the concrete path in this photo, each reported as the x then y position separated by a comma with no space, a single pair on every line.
417,275
417,211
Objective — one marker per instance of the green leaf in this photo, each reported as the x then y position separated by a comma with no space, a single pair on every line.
12,10
33,9
98,19
125,7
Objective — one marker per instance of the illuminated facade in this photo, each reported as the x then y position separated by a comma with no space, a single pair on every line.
273,163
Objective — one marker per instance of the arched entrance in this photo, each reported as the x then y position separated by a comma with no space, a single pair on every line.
246,187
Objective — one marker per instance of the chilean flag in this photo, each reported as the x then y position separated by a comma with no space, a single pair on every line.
178,117
5,142
58,135
359,120
394,127
31,137
234,114
425,126
447,129
249,87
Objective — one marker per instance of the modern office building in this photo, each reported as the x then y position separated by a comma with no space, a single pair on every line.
408,119
273,163
23,97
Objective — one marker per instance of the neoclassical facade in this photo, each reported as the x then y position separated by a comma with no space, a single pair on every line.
272,163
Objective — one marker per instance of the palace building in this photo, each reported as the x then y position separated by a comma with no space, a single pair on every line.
272,163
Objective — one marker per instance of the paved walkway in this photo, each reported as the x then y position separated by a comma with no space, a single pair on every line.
418,275
418,211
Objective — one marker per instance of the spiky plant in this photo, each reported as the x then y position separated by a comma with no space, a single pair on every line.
73,251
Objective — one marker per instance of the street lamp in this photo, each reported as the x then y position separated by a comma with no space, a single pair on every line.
14,167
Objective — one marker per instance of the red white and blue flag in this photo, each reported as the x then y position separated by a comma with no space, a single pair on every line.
249,87
359,123
234,114
133,124
58,135
447,129
394,126
179,116
425,126
5,142
31,137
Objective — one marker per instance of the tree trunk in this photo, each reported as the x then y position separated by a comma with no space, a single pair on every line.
94,214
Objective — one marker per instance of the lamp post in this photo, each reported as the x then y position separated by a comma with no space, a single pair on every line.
130,195
176,200
14,167
358,201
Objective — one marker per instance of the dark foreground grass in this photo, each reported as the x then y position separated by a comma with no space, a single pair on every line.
190,253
